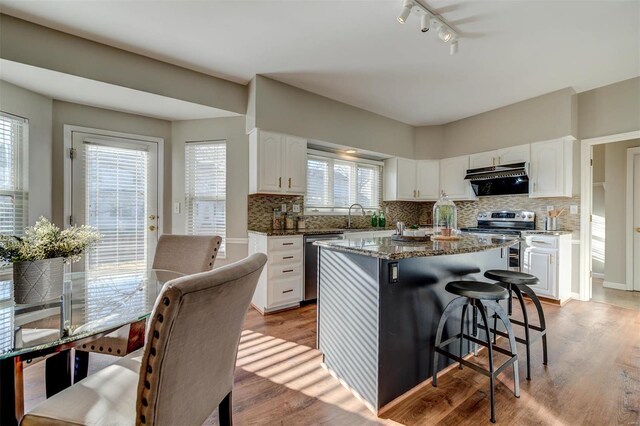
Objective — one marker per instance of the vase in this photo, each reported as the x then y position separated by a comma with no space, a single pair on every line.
38,281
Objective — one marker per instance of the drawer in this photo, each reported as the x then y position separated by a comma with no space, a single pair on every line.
284,244
285,291
284,271
285,257
542,241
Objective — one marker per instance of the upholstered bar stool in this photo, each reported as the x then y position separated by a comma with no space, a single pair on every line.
479,296
518,283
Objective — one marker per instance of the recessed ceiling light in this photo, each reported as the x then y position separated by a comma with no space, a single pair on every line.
351,151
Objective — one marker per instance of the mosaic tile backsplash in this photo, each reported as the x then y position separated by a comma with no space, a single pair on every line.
261,208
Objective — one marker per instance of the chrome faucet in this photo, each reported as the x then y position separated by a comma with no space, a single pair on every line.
350,207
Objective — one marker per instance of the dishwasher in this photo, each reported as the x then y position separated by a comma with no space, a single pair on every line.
311,264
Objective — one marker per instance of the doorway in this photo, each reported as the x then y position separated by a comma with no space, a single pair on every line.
115,186
610,227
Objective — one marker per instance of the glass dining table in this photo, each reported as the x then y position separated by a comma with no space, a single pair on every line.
94,303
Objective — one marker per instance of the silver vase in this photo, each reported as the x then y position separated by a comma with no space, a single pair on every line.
38,281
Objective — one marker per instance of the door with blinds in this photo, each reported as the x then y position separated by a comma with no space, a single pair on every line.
115,190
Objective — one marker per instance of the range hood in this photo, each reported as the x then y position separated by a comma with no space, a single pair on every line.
505,179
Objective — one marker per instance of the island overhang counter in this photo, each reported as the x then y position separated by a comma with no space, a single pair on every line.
379,304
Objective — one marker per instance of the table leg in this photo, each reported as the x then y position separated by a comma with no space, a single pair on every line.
58,372
11,391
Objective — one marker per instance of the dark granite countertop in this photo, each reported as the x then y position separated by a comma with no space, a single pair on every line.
385,248
543,232
322,231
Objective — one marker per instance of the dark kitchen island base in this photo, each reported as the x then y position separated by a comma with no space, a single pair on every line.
377,318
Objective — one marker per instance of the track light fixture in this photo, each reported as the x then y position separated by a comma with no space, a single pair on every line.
427,20
406,11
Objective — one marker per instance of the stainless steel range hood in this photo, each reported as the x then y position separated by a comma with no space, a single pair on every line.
507,179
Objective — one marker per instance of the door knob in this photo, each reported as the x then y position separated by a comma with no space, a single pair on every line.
152,228
637,229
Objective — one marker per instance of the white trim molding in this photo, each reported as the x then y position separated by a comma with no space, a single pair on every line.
629,278
615,286
586,197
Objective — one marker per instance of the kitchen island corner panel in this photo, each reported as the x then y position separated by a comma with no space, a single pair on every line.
376,333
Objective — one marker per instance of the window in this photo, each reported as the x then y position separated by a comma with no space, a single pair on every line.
333,184
206,189
13,187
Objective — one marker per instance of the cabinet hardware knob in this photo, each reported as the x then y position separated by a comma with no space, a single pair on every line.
288,291
287,257
637,229
280,182
152,216
289,182
287,244
152,228
287,270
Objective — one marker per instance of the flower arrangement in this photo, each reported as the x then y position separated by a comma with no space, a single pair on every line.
44,240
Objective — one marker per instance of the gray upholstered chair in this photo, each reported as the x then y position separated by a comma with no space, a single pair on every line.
188,254
186,368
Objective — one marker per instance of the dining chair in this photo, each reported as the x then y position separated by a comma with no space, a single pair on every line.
183,372
187,254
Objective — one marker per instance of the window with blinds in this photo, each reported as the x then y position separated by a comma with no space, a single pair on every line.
13,188
116,205
333,184
206,189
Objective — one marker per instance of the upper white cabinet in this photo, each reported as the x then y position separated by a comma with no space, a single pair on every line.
452,182
551,169
277,163
514,154
410,180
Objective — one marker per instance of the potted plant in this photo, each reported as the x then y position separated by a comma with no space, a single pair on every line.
38,258
444,216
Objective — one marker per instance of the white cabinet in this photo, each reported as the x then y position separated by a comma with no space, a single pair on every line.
427,180
281,282
513,154
277,163
551,169
548,257
410,180
452,182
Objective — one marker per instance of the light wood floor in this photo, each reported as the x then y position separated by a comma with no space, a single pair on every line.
593,377
622,298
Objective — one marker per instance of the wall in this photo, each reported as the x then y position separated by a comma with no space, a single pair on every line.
609,109
38,109
542,118
429,143
598,226
615,210
43,47
233,131
282,108
103,119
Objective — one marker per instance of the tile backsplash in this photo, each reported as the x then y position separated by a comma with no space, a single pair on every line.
261,208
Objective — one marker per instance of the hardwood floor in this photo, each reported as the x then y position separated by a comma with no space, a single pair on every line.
593,377
622,298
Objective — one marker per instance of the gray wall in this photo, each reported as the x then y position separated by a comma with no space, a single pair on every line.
609,109
233,130
32,44
616,209
545,117
429,142
38,110
282,108
103,119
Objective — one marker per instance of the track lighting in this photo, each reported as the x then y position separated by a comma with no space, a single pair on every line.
427,20
406,11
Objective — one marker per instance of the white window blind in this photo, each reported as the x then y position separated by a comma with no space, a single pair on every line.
116,204
206,189
13,188
334,184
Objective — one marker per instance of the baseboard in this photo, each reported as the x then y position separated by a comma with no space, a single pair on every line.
597,275
615,286
574,296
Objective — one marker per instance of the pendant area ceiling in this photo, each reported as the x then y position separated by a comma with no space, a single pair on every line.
357,52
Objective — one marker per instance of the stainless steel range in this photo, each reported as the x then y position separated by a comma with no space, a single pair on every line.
504,224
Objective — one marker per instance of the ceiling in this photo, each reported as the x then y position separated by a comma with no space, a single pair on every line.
356,52
83,91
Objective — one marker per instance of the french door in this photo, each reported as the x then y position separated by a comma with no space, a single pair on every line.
115,190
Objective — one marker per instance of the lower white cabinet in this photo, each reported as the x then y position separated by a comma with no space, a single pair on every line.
280,284
548,257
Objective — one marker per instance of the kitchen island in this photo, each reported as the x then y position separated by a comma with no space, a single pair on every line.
379,304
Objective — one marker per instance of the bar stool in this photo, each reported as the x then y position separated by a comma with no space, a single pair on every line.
478,295
518,283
